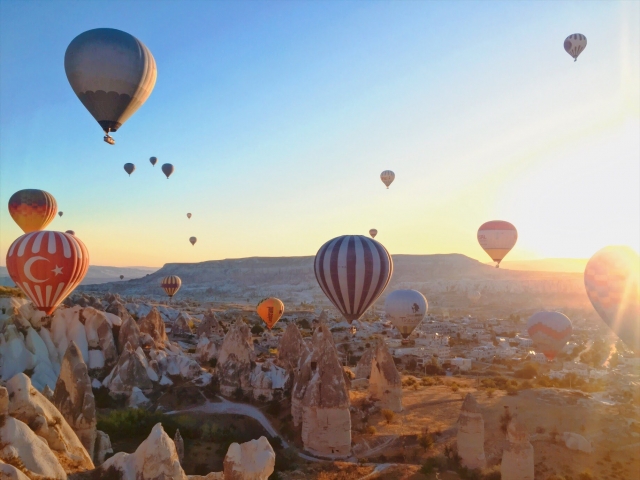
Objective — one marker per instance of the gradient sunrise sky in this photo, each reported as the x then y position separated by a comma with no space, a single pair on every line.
280,115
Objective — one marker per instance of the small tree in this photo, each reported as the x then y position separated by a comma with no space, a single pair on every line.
257,330
388,415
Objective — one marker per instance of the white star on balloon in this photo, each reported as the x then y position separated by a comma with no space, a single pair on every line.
57,270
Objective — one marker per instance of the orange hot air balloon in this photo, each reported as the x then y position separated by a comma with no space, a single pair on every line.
47,266
32,209
270,311
497,238
171,285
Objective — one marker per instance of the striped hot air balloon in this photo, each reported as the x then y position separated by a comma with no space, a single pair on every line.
612,281
387,177
270,311
32,209
353,271
574,44
47,266
171,285
549,331
497,238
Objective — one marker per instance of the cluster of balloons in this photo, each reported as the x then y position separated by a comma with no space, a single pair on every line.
46,265
167,168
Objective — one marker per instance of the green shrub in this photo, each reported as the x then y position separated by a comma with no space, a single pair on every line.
257,330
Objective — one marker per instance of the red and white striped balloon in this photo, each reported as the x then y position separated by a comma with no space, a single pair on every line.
353,271
47,266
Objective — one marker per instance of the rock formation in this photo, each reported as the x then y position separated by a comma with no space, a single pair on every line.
291,349
517,456
9,472
66,327
210,326
31,407
99,337
73,397
471,434
155,458
326,421
266,379
253,460
182,325
179,443
236,359
153,325
575,441
363,368
132,370
102,448
48,393
118,309
129,333
206,349
385,383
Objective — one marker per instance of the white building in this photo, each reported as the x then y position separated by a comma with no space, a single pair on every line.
537,357
464,364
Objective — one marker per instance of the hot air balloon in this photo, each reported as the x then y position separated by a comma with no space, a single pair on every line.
153,161
112,73
70,232
167,169
612,281
270,311
474,296
47,266
549,331
32,209
373,232
406,309
497,238
188,215
171,285
60,213
574,45
121,277
387,177
193,240
129,168
353,271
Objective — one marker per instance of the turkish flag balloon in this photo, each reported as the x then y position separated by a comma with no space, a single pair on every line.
47,266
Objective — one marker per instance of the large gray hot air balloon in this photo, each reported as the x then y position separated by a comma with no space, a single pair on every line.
112,73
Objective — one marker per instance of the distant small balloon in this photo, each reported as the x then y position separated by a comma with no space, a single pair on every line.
171,285
153,161
405,309
574,45
193,240
387,177
121,277
188,215
70,232
129,168
497,238
373,232
167,169
60,213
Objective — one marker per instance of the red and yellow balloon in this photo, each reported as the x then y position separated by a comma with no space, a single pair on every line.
270,311
32,209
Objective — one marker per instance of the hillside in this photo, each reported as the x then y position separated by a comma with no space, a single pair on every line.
96,274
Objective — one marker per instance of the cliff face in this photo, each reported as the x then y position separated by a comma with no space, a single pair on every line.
471,434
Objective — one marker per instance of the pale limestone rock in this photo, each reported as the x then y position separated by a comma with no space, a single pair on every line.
385,383
100,335
102,448
267,378
253,460
292,348
326,421
236,359
471,434
208,476
182,325
48,393
132,370
156,458
119,310
73,397
15,356
137,399
153,325
31,407
177,440
517,456
206,349
9,472
129,333
66,327
575,441
363,368
210,326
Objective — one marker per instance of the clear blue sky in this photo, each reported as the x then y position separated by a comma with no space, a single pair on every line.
280,115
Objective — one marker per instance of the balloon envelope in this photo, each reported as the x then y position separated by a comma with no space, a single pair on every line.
153,161
188,215
167,169
32,209
612,282
574,44
270,311
60,213
387,177
353,271
47,266
549,331
121,277
171,284
373,232
497,238
406,309
129,168
70,232
111,72
193,240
